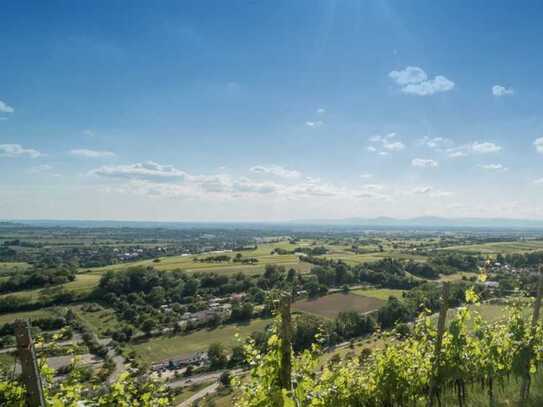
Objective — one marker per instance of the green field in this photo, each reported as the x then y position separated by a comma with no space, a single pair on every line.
167,347
100,321
82,283
380,293
41,313
329,306
12,267
499,247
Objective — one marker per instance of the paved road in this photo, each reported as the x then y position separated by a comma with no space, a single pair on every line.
189,381
202,393
120,366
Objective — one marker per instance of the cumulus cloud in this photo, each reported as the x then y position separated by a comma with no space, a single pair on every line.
385,144
413,80
424,163
314,124
429,191
473,148
485,147
498,90
148,170
538,143
275,170
321,110
493,167
83,152
436,143
154,179
5,108
366,175
16,150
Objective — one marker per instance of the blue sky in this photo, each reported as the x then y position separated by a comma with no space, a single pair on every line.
213,110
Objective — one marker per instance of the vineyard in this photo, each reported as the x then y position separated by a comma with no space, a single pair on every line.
464,362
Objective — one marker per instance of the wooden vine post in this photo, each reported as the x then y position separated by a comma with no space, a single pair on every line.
29,364
525,385
285,335
433,385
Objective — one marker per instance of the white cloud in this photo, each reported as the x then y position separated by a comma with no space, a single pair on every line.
83,152
413,80
373,187
16,150
538,143
321,110
88,133
429,191
5,108
538,181
485,147
366,175
148,170
424,163
411,74
275,170
394,146
457,154
387,142
498,90
436,143
493,167
317,123
473,148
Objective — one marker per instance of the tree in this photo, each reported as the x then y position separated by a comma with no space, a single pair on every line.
217,355
225,378
148,326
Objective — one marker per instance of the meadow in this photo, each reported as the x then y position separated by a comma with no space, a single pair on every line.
522,246
161,348
329,306
380,293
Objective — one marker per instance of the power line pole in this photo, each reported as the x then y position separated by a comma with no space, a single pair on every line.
285,333
29,364
434,385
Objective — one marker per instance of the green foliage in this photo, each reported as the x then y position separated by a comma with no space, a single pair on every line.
474,353
80,388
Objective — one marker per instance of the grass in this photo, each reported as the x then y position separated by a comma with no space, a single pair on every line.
12,267
190,391
167,347
41,313
83,283
330,306
380,293
457,276
499,247
101,322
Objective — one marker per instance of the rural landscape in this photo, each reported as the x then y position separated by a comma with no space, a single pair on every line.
182,303
310,203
